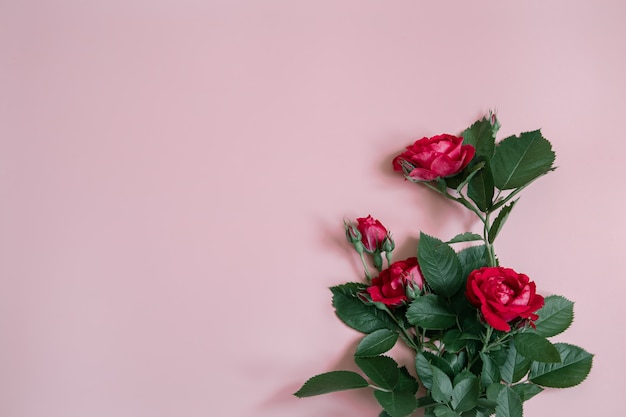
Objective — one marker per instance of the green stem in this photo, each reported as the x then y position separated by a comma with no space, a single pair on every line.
367,272
461,200
465,202
377,388
488,346
406,336
485,348
500,341
513,194
490,251
388,256
488,334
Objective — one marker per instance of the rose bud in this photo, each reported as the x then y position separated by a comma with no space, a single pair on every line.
352,233
413,290
354,237
493,120
389,245
502,295
437,157
390,286
373,233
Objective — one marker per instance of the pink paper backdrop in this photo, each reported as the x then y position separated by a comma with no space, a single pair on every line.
174,174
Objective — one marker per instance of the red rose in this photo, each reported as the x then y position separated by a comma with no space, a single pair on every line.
389,287
437,157
502,295
373,233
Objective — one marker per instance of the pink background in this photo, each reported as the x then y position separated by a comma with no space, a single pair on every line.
174,175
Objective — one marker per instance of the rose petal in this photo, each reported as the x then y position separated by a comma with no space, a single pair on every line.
478,293
493,320
455,151
442,146
375,293
395,301
423,157
467,153
421,174
443,166
522,298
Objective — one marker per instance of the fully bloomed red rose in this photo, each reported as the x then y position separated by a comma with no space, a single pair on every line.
373,233
437,157
503,295
390,286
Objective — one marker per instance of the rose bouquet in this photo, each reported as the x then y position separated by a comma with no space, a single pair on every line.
479,330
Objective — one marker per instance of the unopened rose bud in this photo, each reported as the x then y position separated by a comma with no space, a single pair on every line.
389,245
412,290
358,247
495,123
352,232
373,233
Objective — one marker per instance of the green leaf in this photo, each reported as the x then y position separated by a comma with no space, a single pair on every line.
484,412
485,403
354,313
382,370
519,160
430,312
536,348
465,237
406,382
423,361
471,335
454,341
555,316
481,136
490,372
331,382
440,363
425,402
377,342
397,404
509,404
515,366
493,391
573,369
443,411
424,371
429,412
442,386
480,189
526,390
465,374
440,265
457,361
467,175
497,224
465,394
472,258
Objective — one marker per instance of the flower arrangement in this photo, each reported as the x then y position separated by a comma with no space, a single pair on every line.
479,330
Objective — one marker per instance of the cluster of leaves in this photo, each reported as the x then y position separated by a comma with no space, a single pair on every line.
464,367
